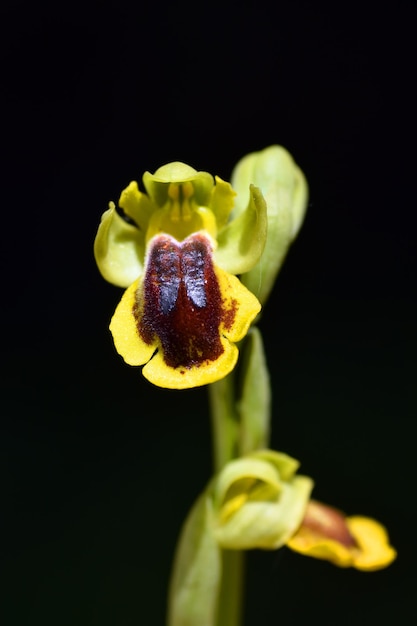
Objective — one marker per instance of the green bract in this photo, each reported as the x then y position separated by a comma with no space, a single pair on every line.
253,405
196,577
180,201
284,188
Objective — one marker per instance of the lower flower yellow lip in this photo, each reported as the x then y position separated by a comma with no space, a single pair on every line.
183,316
358,542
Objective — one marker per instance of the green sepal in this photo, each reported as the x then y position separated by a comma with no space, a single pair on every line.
119,249
176,172
196,576
240,475
242,241
285,190
254,403
286,465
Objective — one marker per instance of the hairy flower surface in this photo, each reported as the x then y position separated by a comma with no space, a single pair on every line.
178,249
357,541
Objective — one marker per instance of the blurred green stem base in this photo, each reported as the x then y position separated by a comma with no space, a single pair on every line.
231,592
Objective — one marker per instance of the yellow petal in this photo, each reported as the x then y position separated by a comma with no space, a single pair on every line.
222,201
239,304
163,375
123,326
374,551
320,548
136,205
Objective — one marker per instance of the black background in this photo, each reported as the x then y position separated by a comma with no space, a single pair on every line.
98,468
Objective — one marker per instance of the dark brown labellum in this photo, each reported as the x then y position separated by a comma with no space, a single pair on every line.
180,301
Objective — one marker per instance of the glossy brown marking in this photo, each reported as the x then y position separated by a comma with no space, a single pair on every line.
180,302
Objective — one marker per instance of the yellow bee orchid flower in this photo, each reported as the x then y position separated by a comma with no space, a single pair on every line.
177,250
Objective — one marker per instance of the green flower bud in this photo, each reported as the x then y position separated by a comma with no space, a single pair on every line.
259,501
256,501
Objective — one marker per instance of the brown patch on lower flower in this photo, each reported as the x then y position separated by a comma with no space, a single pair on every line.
327,522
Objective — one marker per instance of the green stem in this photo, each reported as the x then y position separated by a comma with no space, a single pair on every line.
226,429
231,591
225,425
